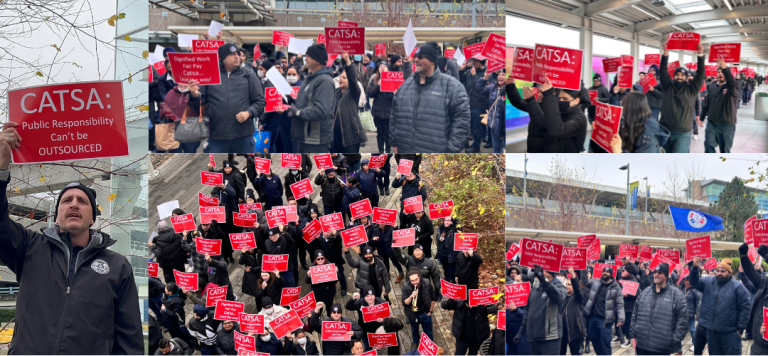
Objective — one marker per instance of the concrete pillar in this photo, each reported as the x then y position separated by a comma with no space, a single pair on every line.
585,44
634,51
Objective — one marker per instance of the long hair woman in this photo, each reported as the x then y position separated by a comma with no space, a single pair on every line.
639,132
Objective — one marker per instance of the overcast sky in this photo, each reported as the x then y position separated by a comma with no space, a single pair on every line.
654,166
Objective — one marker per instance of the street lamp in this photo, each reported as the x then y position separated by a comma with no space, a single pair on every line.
646,198
626,168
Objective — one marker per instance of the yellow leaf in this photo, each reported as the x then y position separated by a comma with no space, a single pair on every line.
112,197
39,73
130,201
112,20
42,178
17,190
130,78
57,47
121,15
145,54
497,296
100,208
77,65
128,38
41,166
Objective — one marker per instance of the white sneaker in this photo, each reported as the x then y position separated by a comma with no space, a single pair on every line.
691,349
696,137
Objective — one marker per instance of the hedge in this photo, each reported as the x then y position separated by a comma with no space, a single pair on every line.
7,315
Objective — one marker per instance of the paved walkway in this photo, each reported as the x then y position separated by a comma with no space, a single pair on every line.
617,350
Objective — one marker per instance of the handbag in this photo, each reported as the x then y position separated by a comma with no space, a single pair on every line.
366,118
192,131
164,140
261,144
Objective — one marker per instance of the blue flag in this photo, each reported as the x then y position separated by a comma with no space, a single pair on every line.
694,220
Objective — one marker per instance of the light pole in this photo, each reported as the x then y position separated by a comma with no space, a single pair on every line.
626,168
646,198
525,182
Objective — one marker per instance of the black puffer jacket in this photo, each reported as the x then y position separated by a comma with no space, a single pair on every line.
476,98
330,190
570,311
225,340
614,299
759,301
382,100
323,291
346,124
478,328
660,320
542,321
427,270
426,293
364,273
430,117
445,251
357,305
467,268
567,132
335,347
167,248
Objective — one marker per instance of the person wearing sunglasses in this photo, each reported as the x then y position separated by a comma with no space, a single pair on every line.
335,315
325,291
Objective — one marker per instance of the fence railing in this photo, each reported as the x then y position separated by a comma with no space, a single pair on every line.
9,290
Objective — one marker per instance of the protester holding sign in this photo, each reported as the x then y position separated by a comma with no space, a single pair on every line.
418,299
273,187
369,299
628,273
720,107
446,232
759,301
474,70
167,248
574,330
677,111
325,291
467,268
385,250
331,191
605,305
561,115
281,243
411,186
382,100
250,259
470,325
692,299
602,95
543,306
493,89
335,313
368,179
427,267
217,274
430,111
639,132
370,270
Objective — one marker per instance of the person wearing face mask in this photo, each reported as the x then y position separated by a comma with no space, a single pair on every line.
467,268
331,191
445,253
605,304
281,243
288,144
427,268
356,303
678,107
542,322
302,346
334,347
725,305
359,67
562,116
370,270
271,311
268,343
719,106
270,121
430,111
294,176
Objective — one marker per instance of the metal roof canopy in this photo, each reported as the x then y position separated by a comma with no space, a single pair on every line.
239,10
562,237
258,34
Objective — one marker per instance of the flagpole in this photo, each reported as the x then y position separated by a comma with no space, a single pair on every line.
626,228
525,182
647,193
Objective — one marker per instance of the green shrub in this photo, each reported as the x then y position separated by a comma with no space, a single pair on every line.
7,315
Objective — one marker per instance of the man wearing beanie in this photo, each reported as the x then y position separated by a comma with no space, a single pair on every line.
759,301
604,306
330,191
231,106
677,108
547,293
366,298
312,112
334,347
474,70
430,110
371,271
660,318
62,270
725,305
627,273
203,327
419,300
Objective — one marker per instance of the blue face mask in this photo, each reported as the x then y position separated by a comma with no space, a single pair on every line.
358,57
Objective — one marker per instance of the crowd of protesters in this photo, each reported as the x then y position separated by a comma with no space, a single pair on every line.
662,119
417,273
438,108
571,312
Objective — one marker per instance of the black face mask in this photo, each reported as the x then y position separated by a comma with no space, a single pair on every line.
564,106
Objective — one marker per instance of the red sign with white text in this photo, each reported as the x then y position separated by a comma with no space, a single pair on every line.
377,161
323,161
630,251
648,81
304,305
453,291
302,188
244,220
495,48
700,246
285,323
244,342
273,98
291,212
382,340
241,241
561,65
323,273
625,77
391,81
276,217
206,45
215,294
252,323
760,232
341,39
629,287
592,96
465,242
207,247
384,216
440,210
651,59
501,322
474,51
228,310
404,237
289,295
211,178
627,60
378,311
331,222
152,269
574,257
200,67
183,223
204,200
611,65
210,213
348,24
607,120
262,165
657,259
598,272
426,346
545,254
404,167
686,41
360,209
269,263
290,161
311,231
281,38
354,236
512,252
522,67
320,38
243,208
413,205
517,294
710,264
483,296
646,253
69,121
749,238
336,331
671,255
187,281
381,49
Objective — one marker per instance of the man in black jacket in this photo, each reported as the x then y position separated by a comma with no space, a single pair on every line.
175,346
470,324
335,347
427,268
759,301
677,110
232,106
720,107
168,251
293,177
418,300
281,243
473,71
76,296
424,231
603,96
330,191
660,318
412,187
467,267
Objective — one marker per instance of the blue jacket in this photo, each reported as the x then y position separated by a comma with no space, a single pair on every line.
410,188
724,308
692,298
273,186
272,347
385,241
653,138
496,112
351,195
368,181
445,248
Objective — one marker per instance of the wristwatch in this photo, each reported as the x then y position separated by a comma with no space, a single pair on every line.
5,175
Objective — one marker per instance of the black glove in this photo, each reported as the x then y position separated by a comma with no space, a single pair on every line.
762,251
743,249
289,100
538,272
292,111
517,338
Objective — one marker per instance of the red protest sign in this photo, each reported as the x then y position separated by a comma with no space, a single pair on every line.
323,273
336,331
592,96
341,39
426,346
391,81
671,255
256,54
200,67
69,121
304,305
360,209
765,317
228,310
281,38
210,213
404,237
183,223
207,247
244,342
243,208
598,271
378,311
160,67
302,188
413,205
648,81
646,253
252,323
382,340
658,259
276,217
320,38
384,216
710,264
699,246
483,296
545,254
440,210
607,120
311,231
711,70
671,68
404,167
574,257
629,287
262,165
512,252
215,294
206,46
241,241
627,60
494,65
592,243
273,98
289,295
348,24
323,161
749,237
270,263
331,222
625,77
290,161
561,65
187,281
211,178
752,254
354,236
285,323
381,49
495,48
586,240
474,50
449,52
611,65
501,322
211,160
152,269
465,242
244,220
686,41
630,251
291,212
760,232
378,161
517,294
295,92
651,59
453,291
522,65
